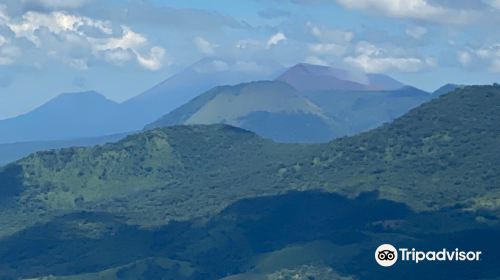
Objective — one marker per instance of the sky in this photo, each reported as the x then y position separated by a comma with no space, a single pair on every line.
123,47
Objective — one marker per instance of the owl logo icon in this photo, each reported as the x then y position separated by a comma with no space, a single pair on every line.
386,255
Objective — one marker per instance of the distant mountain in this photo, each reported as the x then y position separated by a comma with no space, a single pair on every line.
277,111
14,151
191,82
89,114
446,89
68,116
307,77
208,202
272,109
361,110
450,134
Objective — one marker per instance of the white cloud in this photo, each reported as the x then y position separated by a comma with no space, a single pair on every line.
413,9
77,63
464,57
493,3
119,49
275,39
373,59
205,46
490,55
63,35
154,60
128,40
489,52
416,32
328,34
331,41
328,48
316,61
118,56
495,66
8,54
55,22
247,43
487,56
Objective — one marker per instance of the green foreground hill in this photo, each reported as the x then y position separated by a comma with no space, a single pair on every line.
172,173
436,169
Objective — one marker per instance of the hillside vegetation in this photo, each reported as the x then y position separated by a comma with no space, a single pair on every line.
214,201
442,154
171,173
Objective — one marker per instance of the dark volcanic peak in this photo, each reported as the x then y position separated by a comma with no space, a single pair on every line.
69,115
308,77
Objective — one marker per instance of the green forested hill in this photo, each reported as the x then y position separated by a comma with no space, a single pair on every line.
171,173
442,157
443,153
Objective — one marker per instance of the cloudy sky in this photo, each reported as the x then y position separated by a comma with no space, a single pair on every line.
122,47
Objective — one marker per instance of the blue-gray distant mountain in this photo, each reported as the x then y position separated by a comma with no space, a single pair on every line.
90,114
273,109
194,80
360,111
68,116
11,152
307,77
307,103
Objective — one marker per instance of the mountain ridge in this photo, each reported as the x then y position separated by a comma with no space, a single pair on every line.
250,106
69,115
323,115
212,201
90,114
225,158
308,77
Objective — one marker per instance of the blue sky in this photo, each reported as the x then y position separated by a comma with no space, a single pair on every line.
121,48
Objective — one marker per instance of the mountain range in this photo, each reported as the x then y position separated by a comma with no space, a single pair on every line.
329,108
272,109
305,104
308,77
192,81
90,114
220,202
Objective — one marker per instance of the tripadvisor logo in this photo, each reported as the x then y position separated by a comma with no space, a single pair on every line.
387,255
